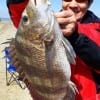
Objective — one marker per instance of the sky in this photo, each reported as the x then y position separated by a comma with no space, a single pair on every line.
56,5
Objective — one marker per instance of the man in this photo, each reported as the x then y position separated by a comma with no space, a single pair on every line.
82,28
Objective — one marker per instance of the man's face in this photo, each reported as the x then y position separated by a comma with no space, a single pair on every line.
79,7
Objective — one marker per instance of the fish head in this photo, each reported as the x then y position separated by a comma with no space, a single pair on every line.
36,19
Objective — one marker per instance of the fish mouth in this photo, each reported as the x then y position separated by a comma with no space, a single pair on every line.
35,2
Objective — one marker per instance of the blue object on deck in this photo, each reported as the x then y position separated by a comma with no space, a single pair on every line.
11,70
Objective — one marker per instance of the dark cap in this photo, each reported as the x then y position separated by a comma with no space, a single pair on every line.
90,1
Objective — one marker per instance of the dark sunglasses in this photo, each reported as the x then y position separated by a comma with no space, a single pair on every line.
79,1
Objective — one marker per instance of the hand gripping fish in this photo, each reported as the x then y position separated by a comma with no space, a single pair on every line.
43,52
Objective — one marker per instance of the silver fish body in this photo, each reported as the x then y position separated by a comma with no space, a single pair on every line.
43,52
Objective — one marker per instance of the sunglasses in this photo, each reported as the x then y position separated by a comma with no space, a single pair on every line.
79,1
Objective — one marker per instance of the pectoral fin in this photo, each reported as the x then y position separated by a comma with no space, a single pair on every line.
69,51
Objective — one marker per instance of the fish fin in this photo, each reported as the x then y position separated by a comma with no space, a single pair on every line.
7,42
69,51
73,87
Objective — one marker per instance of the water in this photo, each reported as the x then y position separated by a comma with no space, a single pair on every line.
5,19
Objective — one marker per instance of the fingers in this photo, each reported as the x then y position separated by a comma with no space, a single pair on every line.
68,29
67,21
64,13
65,17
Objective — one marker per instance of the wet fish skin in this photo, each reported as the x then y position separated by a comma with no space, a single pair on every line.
43,52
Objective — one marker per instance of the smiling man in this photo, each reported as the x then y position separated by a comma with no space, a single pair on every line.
82,28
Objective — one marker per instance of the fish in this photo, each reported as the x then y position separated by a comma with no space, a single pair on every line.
44,54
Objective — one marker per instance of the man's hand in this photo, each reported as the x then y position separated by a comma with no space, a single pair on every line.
67,21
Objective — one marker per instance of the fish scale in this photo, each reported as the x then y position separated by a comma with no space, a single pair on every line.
43,53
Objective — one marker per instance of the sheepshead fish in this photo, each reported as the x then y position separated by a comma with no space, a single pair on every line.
43,52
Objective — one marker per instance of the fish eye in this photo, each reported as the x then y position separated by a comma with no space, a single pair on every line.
25,18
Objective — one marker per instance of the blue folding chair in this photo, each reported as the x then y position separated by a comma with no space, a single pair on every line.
11,73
